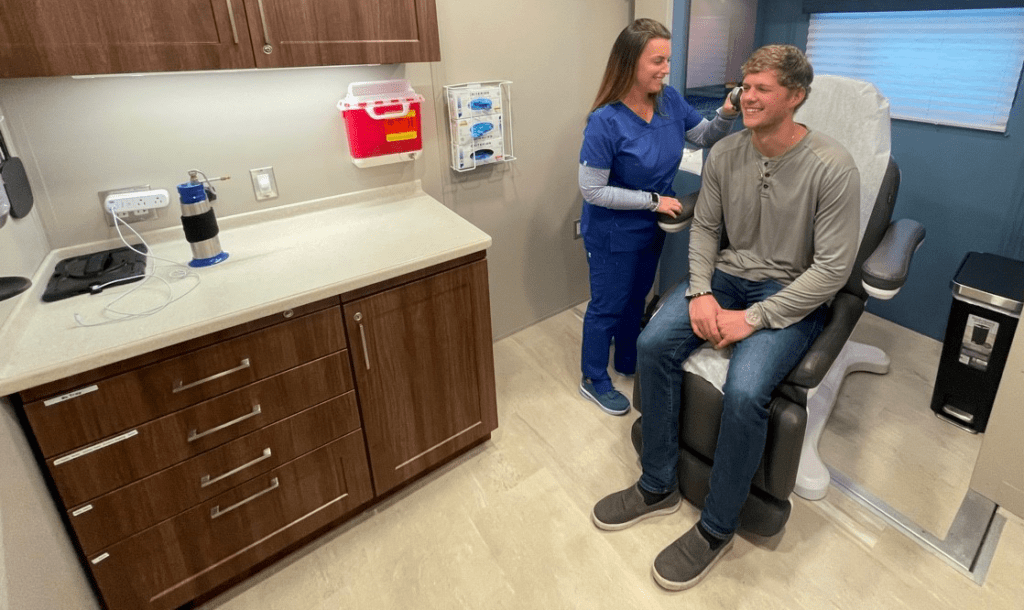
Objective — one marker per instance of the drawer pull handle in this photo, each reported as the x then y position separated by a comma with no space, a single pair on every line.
179,386
217,512
193,435
206,481
231,15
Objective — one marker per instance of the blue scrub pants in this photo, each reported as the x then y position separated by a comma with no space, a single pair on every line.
619,283
758,364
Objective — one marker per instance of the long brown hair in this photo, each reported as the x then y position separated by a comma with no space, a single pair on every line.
622,62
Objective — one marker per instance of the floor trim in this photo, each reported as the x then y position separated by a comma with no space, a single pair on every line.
970,543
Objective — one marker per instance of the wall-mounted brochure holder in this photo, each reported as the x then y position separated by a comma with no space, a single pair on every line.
480,124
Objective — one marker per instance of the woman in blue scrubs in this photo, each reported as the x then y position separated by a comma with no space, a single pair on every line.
632,146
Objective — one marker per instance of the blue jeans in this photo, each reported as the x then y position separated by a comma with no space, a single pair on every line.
758,364
619,283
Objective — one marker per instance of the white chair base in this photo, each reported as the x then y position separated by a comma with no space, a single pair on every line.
812,477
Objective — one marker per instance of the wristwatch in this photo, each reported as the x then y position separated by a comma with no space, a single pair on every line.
753,316
655,201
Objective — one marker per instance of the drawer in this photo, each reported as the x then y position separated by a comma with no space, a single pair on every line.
107,406
184,557
121,513
132,454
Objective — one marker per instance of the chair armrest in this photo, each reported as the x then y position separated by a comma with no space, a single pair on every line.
669,224
845,311
885,271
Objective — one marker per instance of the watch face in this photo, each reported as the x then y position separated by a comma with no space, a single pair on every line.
752,316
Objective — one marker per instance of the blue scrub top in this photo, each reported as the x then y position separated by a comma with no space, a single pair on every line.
641,156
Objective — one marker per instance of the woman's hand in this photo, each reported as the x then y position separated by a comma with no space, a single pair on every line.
670,206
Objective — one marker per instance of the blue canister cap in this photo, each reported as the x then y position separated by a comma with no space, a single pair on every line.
191,193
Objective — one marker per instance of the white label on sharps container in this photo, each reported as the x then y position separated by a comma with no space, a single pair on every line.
73,394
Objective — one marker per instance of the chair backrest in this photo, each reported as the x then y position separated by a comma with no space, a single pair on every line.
856,114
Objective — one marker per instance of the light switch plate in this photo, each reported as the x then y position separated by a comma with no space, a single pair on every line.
263,183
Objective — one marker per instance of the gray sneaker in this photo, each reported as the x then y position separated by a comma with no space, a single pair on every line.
624,508
686,562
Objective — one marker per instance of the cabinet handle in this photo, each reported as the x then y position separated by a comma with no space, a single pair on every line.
206,481
231,16
362,334
179,386
194,436
217,512
267,47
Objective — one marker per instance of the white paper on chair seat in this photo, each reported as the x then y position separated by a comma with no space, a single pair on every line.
710,363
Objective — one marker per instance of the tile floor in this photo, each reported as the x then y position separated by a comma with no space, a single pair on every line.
507,526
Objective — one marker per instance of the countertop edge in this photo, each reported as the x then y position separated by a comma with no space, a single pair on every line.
25,379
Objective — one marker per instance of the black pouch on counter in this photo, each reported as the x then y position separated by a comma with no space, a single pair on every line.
92,273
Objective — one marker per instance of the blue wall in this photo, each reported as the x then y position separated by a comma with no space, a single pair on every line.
965,186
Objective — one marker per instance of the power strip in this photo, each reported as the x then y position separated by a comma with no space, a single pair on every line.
136,201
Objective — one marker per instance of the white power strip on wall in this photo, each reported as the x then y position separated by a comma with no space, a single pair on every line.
136,201
133,204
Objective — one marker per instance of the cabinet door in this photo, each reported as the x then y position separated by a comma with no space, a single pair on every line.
424,367
333,32
55,37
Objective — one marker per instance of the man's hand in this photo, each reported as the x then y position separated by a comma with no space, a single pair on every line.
704,311
732,327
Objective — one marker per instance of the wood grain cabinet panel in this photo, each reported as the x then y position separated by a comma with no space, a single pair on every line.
55,37
109,406
330,32
101,467
181,558
130,509
424,368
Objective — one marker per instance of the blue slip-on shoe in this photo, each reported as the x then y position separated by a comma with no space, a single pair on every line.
611,402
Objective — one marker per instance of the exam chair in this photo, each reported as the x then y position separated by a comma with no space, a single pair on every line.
854,113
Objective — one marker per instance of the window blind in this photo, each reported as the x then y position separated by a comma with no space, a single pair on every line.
956,67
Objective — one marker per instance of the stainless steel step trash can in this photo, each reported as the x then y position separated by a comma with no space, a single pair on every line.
988,296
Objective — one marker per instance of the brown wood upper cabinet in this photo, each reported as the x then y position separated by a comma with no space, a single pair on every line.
55,38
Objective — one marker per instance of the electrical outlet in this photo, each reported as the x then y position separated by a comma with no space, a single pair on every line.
133,204
576,232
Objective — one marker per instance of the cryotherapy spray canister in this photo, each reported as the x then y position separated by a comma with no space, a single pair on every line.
200,223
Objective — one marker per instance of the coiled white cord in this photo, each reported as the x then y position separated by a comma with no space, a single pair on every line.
181,272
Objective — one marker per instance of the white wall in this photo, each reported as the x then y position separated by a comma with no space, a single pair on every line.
23,242
81,136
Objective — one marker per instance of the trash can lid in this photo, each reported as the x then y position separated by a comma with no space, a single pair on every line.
991,279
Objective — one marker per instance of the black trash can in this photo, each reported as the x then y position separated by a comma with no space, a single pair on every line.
988,291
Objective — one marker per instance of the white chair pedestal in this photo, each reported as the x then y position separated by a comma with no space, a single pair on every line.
812,477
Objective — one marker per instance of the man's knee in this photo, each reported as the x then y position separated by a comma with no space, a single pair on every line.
650,344
745,402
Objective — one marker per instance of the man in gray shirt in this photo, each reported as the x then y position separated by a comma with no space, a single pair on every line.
788,200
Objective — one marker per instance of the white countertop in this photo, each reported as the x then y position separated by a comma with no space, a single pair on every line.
278,258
